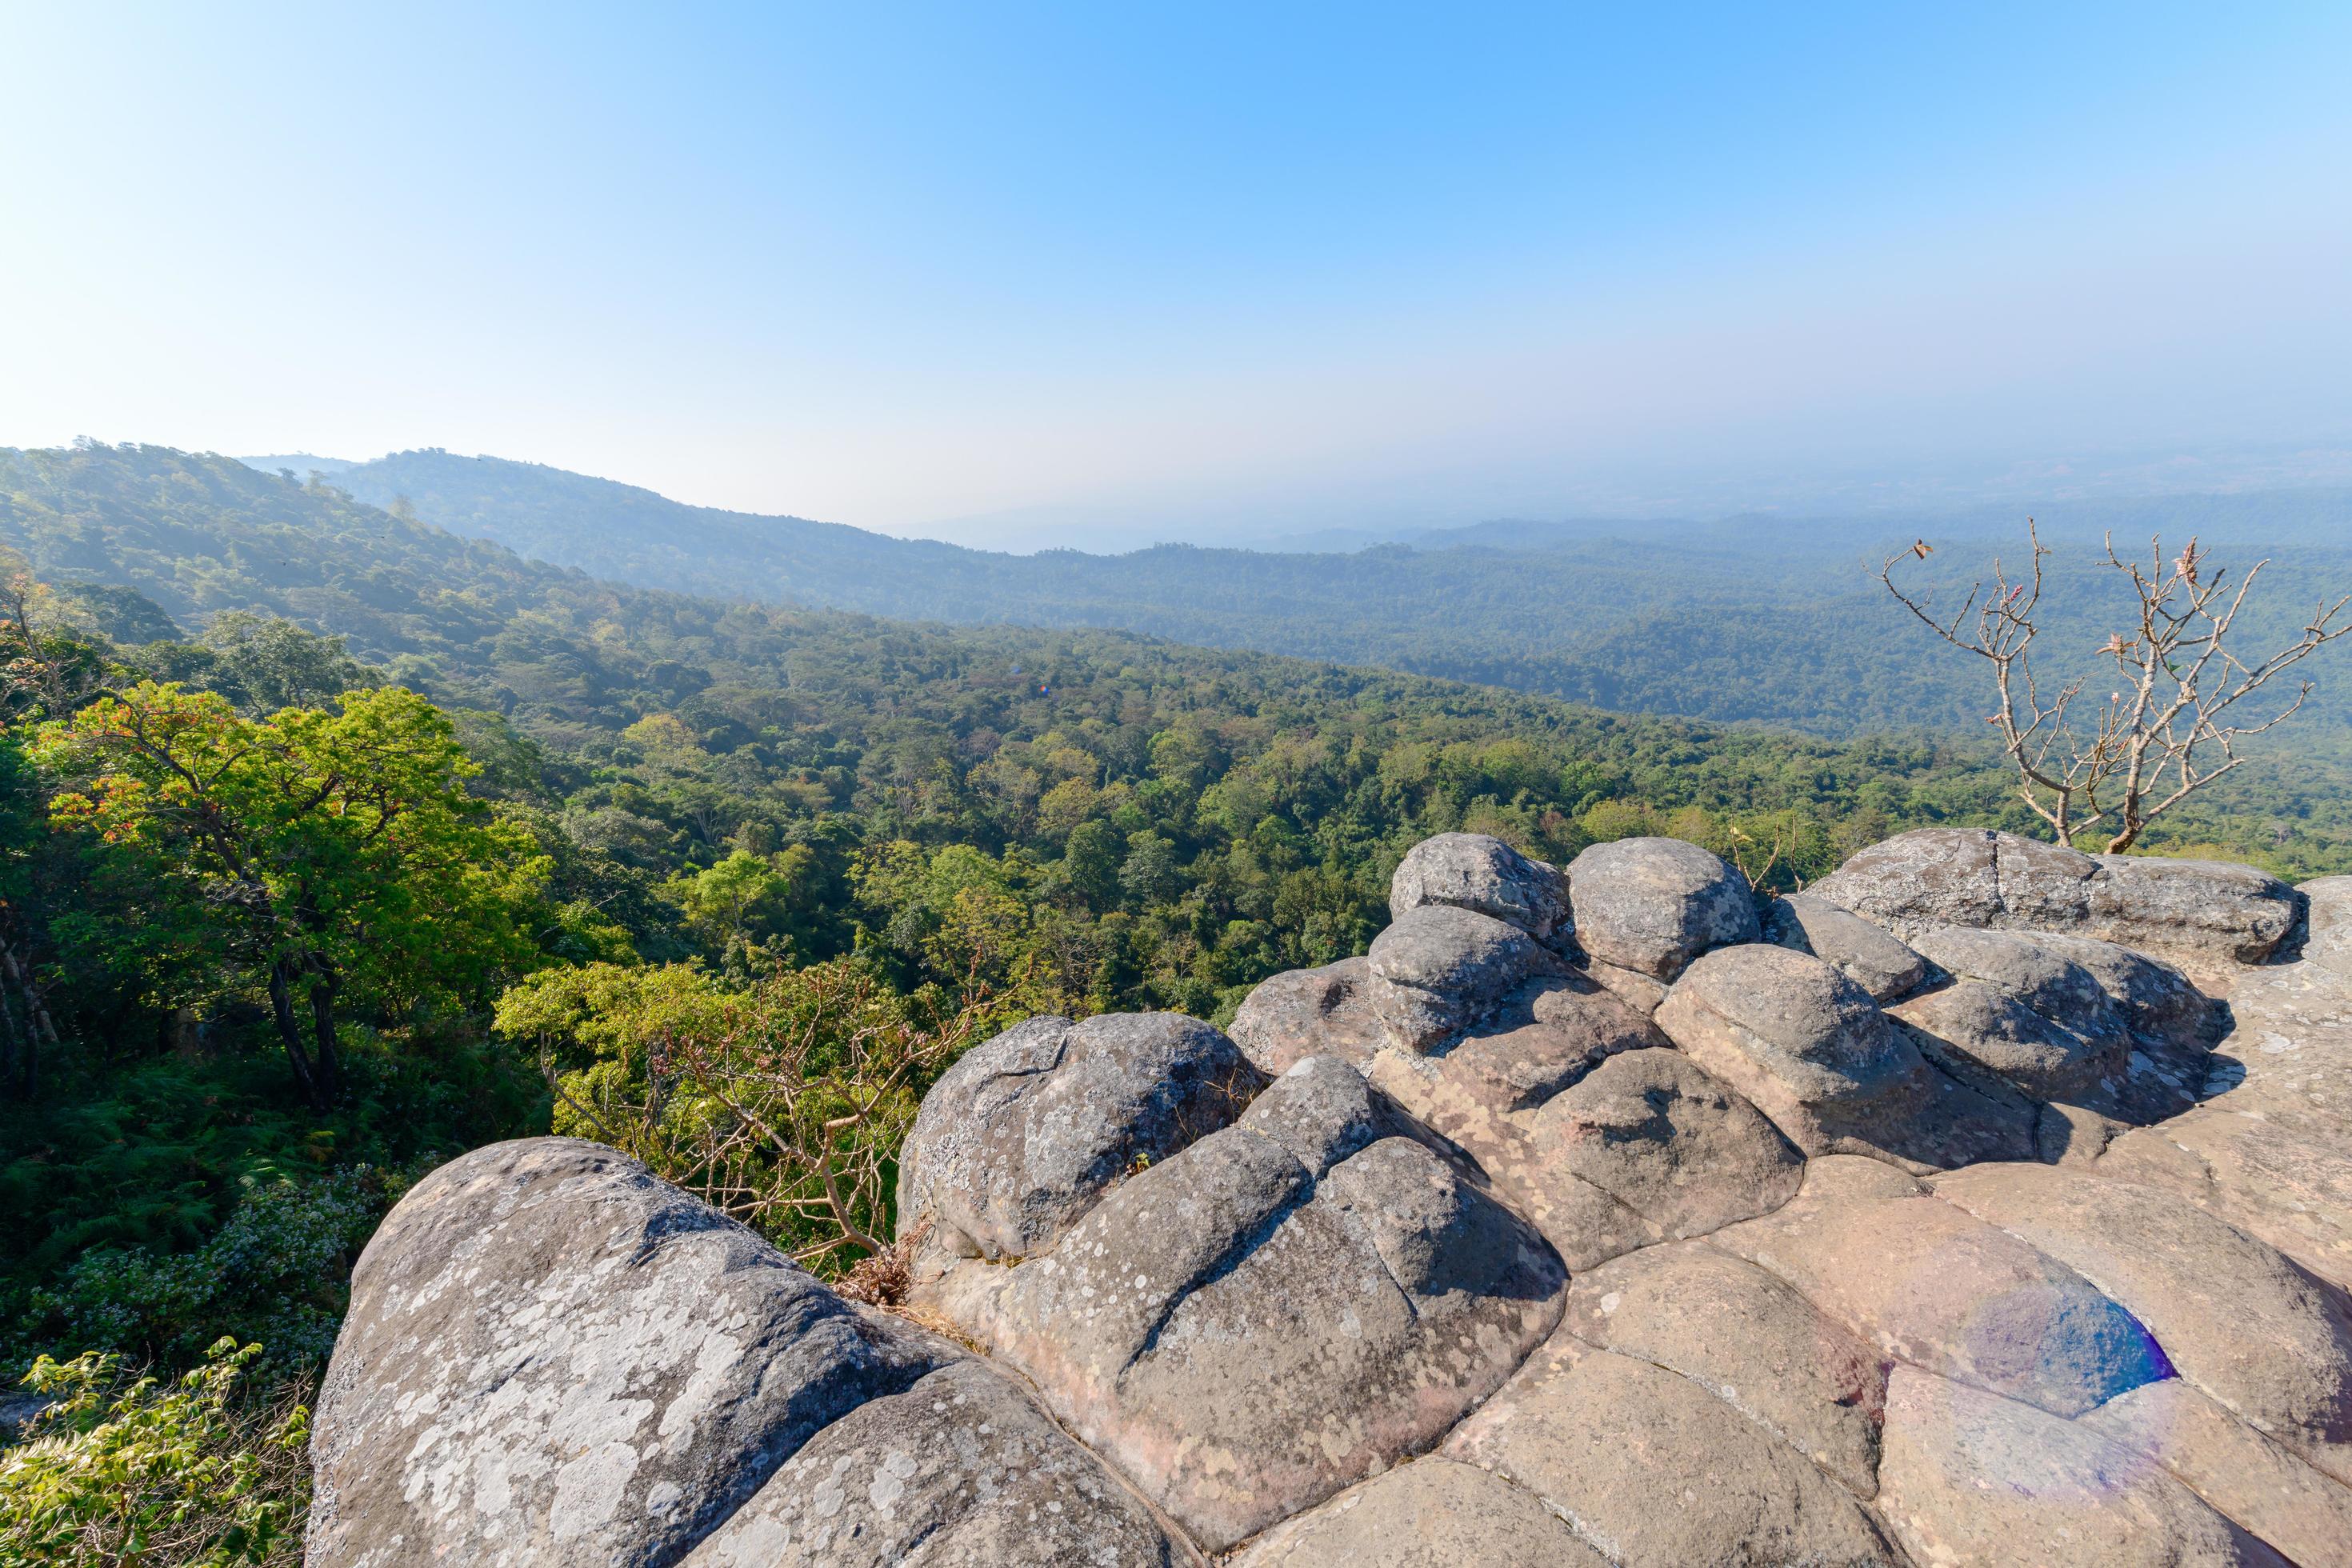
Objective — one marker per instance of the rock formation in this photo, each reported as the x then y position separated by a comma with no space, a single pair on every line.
1985,1203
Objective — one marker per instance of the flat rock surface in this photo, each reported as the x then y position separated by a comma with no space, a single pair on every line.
551,1357
1651,905
1431,1513
1652,1468
1970,1477
1748,1338
1925,1281
1023,1134
2236,1318
2245,1475
1475,871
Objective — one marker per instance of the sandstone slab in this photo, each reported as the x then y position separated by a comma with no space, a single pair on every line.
1748,1338
1925,1281
1653,1470
2237,1320
1970,1477
1438,970
1434,1512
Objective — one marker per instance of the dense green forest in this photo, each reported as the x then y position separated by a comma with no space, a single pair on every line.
332,843
1770,619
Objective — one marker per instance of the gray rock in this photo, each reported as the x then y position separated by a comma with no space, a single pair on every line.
1432,1513
1475,871
1020,1137
1651,905
1974,877
1969,1478
1438,970
1810,1049
1309,1012
1323,1111
1848,943
1655,1470
1243,1340
1641,993
551,1357
1996,1029
1748,1339
1925,1281
959,1471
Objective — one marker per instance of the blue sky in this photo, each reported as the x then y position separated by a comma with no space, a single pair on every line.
1192,270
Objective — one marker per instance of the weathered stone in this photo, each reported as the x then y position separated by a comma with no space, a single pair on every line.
1847,943
1321,1110
1434,1512
1748,1338
1810,1051
1309,1012
2328,944
1243,1340
1020,1137
2266,1489
1997,1031
1969,1478
2258,1170
551,1357
2237,1320
960,1470
1438,970
1653,1470
1475,871
1651,905
1641,993
1926,1282
1974,877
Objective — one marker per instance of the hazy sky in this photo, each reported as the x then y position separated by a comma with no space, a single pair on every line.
1185,267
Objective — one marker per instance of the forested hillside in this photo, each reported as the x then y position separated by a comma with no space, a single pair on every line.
1770,619
332,843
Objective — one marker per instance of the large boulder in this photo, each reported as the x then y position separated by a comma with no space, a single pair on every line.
1305,1012
1475,871
1655,1470
1023,1134
1813,1052
553,1358
959,1471
1848,943
1438,970
1651,905
1748,1338
1924,1282
2201,910
1276,1312
1970,1477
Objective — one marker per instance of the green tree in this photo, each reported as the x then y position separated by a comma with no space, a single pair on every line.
340,850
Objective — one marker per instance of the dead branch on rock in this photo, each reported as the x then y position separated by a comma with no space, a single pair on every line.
2166,730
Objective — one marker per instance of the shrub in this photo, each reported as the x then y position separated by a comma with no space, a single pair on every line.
204,1472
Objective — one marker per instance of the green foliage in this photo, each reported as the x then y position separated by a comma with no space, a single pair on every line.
196,1474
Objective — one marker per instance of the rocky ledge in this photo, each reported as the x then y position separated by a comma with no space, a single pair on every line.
1985,1203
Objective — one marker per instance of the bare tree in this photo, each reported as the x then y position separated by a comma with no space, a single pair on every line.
2168,728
